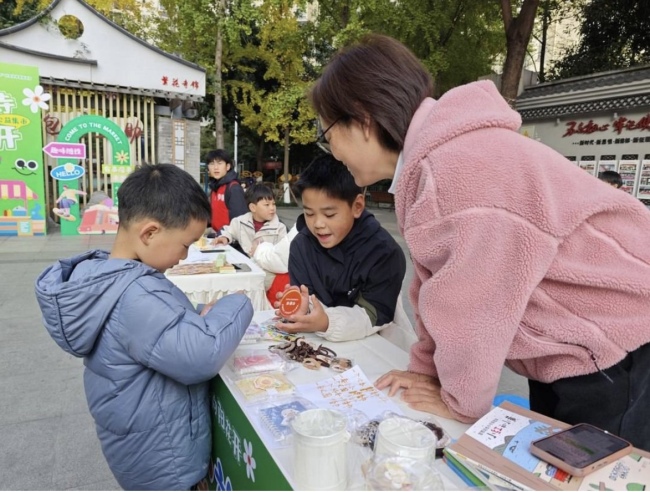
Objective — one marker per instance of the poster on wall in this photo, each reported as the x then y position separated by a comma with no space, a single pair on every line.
644,178
22,185
588,163
628,168
98,218
528,131
606,163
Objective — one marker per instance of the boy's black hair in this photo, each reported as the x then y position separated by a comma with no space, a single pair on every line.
162,192
611,177
218,155
329,175
259,192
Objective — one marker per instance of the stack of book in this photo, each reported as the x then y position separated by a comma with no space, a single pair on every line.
494,454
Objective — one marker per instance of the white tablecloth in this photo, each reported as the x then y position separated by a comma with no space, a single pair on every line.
376,356
204,288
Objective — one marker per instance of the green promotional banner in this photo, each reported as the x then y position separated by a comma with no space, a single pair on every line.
97,219
22,184
240,461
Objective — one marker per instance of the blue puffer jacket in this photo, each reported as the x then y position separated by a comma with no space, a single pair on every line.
148,357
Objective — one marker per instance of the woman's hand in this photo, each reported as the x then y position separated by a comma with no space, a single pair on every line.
420,392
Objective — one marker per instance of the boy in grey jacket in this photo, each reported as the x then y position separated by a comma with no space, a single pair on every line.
149,354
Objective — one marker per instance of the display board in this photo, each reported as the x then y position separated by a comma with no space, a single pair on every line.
100,218
22,188
643,190
628,168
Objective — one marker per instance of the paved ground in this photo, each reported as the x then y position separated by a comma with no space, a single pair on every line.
47,437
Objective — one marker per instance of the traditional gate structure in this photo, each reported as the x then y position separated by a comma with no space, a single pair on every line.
98,68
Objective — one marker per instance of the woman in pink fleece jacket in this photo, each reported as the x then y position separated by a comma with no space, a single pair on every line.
520,257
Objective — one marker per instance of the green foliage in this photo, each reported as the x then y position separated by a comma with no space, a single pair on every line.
126,13
16,11
615,34
457,40
276,104
189,29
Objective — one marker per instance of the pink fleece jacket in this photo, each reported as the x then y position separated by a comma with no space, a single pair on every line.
520,257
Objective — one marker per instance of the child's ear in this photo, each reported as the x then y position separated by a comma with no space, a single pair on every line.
148,231
358,205
252,207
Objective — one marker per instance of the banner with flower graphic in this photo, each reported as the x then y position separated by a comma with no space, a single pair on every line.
100,218
240,461
22,184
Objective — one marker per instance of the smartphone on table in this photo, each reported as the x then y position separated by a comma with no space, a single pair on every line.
580,449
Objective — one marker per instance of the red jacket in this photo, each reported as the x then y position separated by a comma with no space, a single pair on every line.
226,200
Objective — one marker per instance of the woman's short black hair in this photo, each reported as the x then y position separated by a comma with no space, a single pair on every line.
162,192
327,174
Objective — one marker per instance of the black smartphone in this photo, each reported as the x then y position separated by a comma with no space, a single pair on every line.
581,449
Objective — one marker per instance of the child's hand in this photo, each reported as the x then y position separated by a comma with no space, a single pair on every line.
316,320
220,240
206,308
278,296
256,243
304,301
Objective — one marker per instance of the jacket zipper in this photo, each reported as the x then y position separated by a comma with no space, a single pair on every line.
544,339
191,404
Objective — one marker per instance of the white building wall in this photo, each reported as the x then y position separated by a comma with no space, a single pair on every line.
123,61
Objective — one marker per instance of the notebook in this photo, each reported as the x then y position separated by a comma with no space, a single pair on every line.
277,418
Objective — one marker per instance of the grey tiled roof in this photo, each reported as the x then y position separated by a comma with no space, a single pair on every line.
642,100
587,82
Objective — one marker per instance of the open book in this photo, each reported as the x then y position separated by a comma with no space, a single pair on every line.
495,450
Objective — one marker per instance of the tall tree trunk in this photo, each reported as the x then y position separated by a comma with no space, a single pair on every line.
260,154
518,31
287,131
546,20
345,14
218,107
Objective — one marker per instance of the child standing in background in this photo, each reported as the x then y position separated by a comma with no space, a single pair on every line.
148,353
260,224
227,199
612,178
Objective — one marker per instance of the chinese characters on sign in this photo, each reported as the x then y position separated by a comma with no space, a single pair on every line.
177,82
231,434
620,124
22,189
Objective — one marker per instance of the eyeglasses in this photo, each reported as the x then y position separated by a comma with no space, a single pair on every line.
321,141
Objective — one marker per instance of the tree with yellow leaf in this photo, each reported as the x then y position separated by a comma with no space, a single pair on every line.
277,50
126,13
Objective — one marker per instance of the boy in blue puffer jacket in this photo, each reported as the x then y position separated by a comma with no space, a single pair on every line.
149,354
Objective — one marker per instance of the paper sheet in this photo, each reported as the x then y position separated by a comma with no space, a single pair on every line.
349,390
